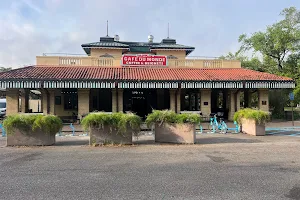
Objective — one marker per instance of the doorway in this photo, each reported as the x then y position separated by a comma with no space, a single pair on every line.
140,101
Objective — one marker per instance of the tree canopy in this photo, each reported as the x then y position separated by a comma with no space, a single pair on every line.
3,69
278,41
274,50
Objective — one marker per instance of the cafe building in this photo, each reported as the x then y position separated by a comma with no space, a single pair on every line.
121,76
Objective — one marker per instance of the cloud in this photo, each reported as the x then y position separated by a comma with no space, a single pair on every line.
32,6
32,27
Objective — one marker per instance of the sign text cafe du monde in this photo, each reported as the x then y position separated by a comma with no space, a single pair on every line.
144,60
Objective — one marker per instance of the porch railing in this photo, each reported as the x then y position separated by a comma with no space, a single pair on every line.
111,62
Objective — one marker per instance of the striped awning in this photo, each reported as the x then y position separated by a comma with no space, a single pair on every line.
269,85
212,85
78,84
20,84
145,84
56,84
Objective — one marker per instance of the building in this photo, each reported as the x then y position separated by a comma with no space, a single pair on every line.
120,76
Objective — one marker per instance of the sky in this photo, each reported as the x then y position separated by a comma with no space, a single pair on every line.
29,28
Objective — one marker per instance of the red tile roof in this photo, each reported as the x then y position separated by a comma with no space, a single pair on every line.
135,73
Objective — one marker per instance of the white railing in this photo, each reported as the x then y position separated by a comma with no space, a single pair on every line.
70,61
110,62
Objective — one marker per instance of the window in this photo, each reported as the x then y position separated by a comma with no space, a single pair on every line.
57,100
2,105
70,99
95,102
190,100
220,100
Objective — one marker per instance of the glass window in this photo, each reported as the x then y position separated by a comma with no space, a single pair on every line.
95,102
70,99
190,100
2,105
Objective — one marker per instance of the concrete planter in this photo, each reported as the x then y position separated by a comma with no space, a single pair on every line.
249,126
110,135
37,138
175,133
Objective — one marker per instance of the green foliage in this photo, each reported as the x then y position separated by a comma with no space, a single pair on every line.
119,121
249,63
278,48
278,40
297,94
3,69
167,116
259,116
278,99
161,116
277,115
49,124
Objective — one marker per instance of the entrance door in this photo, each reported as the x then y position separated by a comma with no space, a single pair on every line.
140,101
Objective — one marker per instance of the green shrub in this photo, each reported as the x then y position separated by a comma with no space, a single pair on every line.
259,116
49,124
168,116
119,121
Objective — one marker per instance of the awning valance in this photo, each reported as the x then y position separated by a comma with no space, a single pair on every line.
146,84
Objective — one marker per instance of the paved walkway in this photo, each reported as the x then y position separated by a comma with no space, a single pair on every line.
221,167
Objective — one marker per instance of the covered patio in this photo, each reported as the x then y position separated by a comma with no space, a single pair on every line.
74,91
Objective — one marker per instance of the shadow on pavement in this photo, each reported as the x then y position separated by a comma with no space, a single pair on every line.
224,140
71,141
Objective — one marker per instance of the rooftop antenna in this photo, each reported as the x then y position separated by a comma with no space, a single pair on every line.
107,28
168,30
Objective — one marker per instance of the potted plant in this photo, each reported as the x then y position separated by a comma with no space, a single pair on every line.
31,130
173,128
111,128
252,121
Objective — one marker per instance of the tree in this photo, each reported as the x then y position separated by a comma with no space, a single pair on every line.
3,69
249,63
279,40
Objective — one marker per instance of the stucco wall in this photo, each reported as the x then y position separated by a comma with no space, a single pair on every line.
12,101
35,105
205,99
178,54
263,99
116,53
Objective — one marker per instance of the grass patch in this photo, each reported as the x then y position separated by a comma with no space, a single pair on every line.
258,116
49,124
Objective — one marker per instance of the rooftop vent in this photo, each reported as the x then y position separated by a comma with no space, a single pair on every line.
150,38
168,41
117,38
106,39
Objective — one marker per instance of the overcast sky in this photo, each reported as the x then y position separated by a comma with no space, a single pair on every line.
33,27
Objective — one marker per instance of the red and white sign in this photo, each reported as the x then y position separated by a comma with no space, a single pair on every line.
143,60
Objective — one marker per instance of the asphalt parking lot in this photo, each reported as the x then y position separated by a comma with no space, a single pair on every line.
218,167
